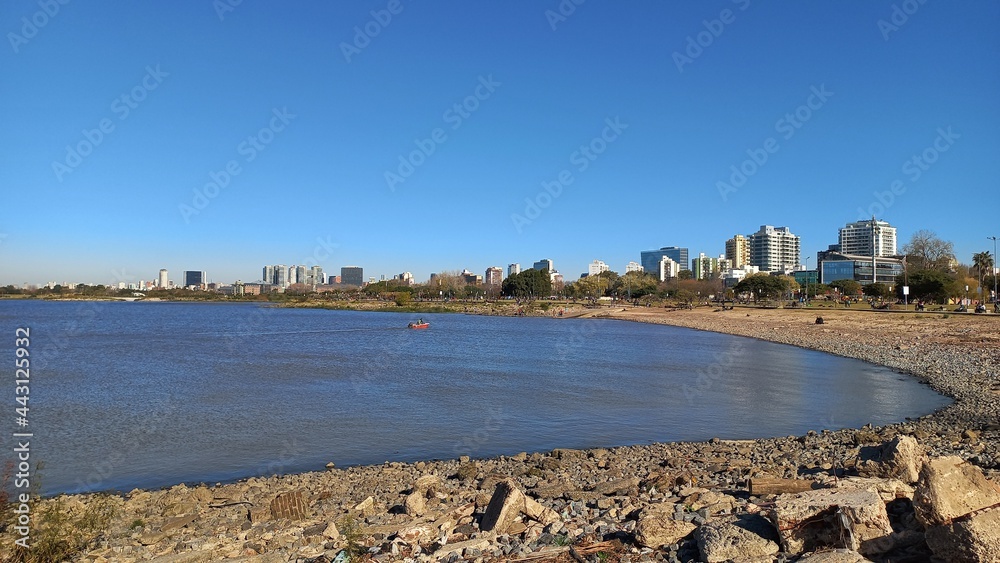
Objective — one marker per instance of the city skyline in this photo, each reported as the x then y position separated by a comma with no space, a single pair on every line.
317,134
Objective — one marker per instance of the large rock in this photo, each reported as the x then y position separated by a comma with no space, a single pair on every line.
721,541
975,538
831,518
961,510
505,506
289,505
539,512
888,489
415,504
949,488
656,526
835,556
900,458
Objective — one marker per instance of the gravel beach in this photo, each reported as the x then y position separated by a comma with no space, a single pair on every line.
659,502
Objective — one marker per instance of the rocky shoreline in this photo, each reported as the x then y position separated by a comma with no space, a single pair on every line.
670,502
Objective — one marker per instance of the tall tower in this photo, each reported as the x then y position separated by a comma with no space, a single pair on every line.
738,251
164,279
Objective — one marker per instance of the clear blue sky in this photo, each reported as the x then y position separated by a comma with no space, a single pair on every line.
180,90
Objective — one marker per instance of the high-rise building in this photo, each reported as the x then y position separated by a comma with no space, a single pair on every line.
868,238
650,259
774,249
633,267
738,251
281,275
705,267
293,275
494,276
513,269
268,275
316,276
352,275
193,278
301,274
544,264
667,268
164,280
596,267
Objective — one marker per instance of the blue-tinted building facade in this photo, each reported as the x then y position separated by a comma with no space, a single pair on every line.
650,259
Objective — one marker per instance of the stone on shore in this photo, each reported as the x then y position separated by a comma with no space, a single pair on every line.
853,519
950,488
834,556
720,541
289,505
505,506
900,458
656,526
961,510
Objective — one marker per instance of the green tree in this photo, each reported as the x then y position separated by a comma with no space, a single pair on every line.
685,275
846,288
762,287
929,285
530,283
878,291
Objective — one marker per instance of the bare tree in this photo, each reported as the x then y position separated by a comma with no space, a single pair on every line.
926,251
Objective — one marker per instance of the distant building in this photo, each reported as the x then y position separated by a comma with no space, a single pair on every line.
281,276
843,266
868,238
774,248
333,280
267,275
650,259
513,269
494,276
704,267
301,274
667,268
195,279
315,276
733,276
597,267
806,277
633,267
555,277
352,275
738,251
544,264
406,278
470,278
293,276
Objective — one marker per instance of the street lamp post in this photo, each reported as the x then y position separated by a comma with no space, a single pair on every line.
995,295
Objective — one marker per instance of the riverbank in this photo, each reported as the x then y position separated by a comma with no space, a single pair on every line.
599,499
